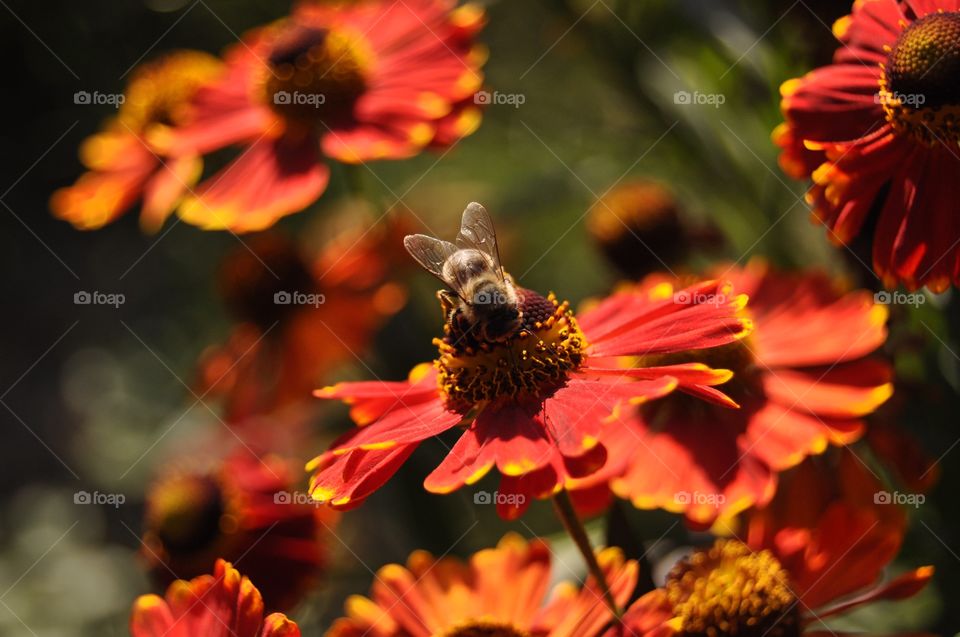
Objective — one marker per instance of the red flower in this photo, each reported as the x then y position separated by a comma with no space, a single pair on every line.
352,81
242,510
877,132
533,406
220,605
500,591
299,316
131,158
817,551
802,380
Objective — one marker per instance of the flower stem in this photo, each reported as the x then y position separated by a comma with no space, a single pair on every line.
571,522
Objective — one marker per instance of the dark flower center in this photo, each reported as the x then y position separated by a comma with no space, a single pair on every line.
547,347
184,512
919,89
728,589
925,61
480,628
315,74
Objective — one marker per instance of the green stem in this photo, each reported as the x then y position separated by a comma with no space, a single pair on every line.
571,522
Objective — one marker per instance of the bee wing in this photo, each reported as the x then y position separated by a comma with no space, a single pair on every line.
476,231
432,253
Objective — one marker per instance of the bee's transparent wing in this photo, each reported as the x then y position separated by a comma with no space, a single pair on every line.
476,231
432,253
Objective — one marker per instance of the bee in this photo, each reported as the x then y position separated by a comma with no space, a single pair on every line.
480,294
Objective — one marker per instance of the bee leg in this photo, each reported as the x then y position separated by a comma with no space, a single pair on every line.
448,303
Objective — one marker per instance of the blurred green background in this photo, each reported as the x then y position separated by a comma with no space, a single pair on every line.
88,391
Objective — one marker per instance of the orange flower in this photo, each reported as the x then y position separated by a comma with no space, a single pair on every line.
300,315
817,551
245,509
500,592
220,604
131,159
534,404
876,131
352,81
803,380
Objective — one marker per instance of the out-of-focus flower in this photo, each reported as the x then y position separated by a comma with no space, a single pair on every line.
131,158
882,122
300,317
830,525
351,81
500,591
803,380
818,550
224,603
640,229
534,404
244,509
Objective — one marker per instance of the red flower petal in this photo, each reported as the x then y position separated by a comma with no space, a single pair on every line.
273,177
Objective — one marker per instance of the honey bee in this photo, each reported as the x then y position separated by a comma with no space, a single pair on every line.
483,297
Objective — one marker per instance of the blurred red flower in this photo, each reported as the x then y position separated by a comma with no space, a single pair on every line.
242,509
300,315
351,81
131,158
803,379
818,550
223,603
876,130
535,405
501,591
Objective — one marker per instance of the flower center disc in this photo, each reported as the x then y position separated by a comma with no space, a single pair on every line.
547,347
730,590
919,91
316,74
480,628
159,92
185,512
